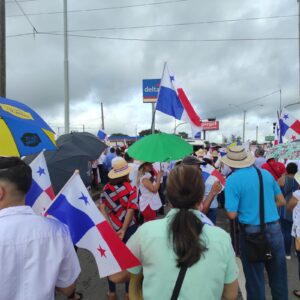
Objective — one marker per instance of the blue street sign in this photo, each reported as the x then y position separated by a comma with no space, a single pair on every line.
150,90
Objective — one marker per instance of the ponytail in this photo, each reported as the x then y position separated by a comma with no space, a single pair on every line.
185,190
184,232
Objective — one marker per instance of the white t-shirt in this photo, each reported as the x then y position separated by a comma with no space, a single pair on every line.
36,255
133,173
146,197
296,215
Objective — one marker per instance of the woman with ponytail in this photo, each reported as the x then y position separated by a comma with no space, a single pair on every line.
182,256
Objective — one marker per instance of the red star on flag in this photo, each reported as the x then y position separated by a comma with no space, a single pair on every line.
293,137
102,251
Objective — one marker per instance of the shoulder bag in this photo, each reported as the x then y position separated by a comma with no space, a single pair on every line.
257,246
178,283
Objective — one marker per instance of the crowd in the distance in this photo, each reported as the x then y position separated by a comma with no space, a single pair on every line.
183,255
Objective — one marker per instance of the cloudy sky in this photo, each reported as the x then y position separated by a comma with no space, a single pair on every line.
107,63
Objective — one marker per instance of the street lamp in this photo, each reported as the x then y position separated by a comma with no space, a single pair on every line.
244,116
178,126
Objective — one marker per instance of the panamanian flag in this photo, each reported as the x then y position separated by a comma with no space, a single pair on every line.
41,192
211,175
289,126
89,230
175,103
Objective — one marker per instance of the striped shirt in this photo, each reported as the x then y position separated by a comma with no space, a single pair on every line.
117,199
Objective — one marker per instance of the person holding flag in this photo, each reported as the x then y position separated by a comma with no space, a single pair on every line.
118,204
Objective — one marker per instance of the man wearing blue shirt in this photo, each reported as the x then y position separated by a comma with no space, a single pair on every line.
109,157
242,196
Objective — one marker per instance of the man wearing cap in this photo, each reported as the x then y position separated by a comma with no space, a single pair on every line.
242,196
36,253
276,168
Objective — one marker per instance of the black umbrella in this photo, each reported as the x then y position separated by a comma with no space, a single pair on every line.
71,156
84,143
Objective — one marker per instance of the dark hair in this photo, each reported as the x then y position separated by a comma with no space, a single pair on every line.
112,150
185,189
291,168
120,180
118,152
127,157
259,151
16,171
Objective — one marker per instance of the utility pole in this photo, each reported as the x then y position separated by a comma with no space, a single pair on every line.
256,135
244,126
2,50
66,70
102,116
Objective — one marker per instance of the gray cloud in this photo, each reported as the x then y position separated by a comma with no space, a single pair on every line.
213,74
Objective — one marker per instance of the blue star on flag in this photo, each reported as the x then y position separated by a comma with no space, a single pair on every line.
84,198
172,78
41,171
285,116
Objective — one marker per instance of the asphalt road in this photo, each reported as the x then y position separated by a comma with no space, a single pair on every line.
94,288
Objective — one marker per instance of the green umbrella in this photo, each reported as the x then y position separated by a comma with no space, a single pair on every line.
160,147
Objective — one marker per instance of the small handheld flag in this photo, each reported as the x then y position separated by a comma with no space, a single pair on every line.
74,207
210,174
41,192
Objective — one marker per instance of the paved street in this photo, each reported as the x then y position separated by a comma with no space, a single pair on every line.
94,288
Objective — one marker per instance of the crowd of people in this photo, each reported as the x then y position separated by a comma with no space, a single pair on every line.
166,214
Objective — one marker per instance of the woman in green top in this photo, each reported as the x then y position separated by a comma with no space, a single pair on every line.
181,240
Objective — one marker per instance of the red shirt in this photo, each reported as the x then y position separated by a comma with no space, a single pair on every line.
277,169
118,198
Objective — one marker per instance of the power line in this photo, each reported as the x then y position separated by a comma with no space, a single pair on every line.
24,14
159,40
217,112
21,1
179,24
100,9
173,40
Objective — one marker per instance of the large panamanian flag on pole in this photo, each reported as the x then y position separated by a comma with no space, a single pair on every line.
289,126
74,207
41,192
175,103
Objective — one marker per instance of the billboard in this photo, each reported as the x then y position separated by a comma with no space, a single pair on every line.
150,90
210,125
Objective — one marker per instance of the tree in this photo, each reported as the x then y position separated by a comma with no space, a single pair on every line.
183,134
148,132
119,134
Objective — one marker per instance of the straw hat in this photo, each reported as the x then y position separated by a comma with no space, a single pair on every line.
238,158
200,152
119,169
215,153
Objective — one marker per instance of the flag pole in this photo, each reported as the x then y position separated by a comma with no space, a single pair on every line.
153,105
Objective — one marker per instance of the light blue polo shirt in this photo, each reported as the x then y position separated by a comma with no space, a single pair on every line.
242,195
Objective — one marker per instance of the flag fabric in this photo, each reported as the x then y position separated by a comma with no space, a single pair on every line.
278,136
74,207
41,192
175,103
289,126
101,134
210,175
